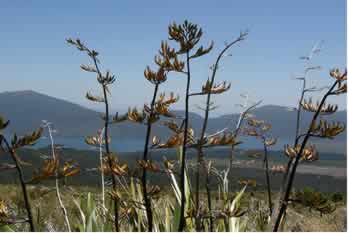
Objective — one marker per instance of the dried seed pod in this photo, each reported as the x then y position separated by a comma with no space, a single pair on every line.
94,98
70,170
325,129
88,68
251,132
172,126
186,34
336,74
270,141
48,170
174,141
168,59
309,153
119,170
155,77
341,89
4,213
149,165
96,140
265,127
290,151
224,139
278,169
311,107
202,51
106,79
135,116
155,141
255,123
216,89
26,140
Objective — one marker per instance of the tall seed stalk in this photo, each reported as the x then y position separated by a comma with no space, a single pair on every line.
147,201
259,129
207,90
167,61
307,69
104,81
11,149
187,35
56,158
321,130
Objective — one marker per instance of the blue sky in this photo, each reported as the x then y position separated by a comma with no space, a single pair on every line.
127,34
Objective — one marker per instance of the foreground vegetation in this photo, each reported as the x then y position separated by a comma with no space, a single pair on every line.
133,202
49,218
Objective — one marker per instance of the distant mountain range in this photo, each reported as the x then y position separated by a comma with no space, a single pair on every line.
27,109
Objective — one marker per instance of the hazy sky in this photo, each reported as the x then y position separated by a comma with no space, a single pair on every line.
127,34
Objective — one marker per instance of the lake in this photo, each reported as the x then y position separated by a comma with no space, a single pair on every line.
134,145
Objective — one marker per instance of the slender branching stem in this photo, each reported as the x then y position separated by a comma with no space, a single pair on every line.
23,185
147,201
106,136
107,148
200,153
297,131
298,122
56,158
241,119
284,203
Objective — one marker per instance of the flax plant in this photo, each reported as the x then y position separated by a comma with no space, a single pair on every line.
321,129
167,61
104,80
208,89
259,129
308,68
187,36
56,158
16,143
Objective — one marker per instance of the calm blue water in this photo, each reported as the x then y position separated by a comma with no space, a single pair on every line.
79,143
134,145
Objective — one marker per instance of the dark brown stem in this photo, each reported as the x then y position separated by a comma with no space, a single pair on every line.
107,149
297,159
267,177
288,166
205,122
298,121
23,185
106,136
147,201
183,159
207,186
